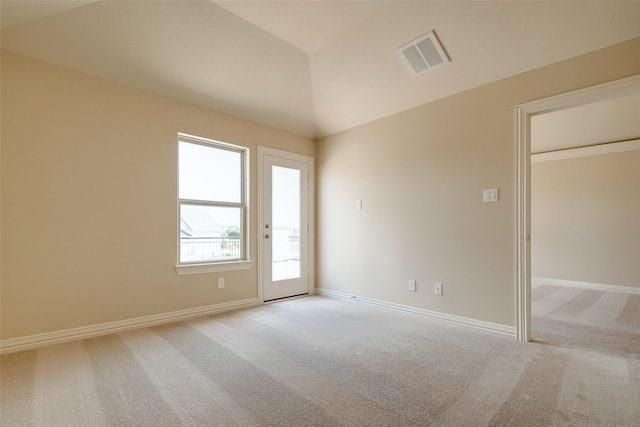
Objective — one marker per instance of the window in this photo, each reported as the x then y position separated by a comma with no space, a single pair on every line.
213,201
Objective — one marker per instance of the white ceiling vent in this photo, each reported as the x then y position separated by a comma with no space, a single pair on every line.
423,53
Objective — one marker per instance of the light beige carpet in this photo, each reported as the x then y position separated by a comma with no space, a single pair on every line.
322,361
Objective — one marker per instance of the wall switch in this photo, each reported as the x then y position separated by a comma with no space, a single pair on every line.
220,282
358,204
438,289
490,195
412,285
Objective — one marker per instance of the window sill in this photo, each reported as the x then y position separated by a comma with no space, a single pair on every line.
185,269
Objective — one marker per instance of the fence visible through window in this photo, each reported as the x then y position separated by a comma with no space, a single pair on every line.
294,247
207,249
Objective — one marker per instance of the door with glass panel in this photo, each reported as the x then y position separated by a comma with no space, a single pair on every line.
284,227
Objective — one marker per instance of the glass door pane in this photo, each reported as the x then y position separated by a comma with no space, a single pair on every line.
285,223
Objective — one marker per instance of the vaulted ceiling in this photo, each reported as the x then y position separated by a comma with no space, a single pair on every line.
309,67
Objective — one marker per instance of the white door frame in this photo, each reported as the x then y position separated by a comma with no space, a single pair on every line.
524,112
267,151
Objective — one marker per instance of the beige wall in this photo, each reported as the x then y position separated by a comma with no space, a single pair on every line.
89,197
89,210
420,175
585,219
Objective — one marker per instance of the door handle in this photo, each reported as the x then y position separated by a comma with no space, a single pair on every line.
267,236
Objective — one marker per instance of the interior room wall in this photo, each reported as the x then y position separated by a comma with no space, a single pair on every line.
89,210
420,176
89,199
585,219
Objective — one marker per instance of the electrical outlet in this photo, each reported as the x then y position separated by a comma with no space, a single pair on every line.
412,285
220,282
438,289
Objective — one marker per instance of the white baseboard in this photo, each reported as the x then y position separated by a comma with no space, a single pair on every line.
49,338
585,285
459,320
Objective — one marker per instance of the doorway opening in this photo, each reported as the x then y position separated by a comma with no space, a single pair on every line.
524,114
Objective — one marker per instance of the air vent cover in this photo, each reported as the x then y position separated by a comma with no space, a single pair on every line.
423,53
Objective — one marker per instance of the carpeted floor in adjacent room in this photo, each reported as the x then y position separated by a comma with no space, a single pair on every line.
324,362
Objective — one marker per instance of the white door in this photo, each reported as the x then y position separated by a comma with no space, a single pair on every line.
284,224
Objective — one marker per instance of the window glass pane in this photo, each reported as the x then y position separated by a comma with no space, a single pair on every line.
209,173
210,233
286,223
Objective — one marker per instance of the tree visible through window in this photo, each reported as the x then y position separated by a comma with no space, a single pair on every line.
212,198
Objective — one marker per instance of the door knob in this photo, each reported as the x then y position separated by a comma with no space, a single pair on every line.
267,236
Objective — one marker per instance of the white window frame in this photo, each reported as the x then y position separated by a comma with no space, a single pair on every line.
212,266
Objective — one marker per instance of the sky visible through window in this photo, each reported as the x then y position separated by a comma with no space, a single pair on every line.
211,174
286,198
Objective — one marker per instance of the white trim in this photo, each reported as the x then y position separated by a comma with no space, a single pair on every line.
524,112
49,338
268,151
585,285
584,96
594,150
523,226
243,205
259,175
185,269
458,320
310,161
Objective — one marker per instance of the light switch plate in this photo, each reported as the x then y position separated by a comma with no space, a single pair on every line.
412,285
490,195
358,204
437,289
